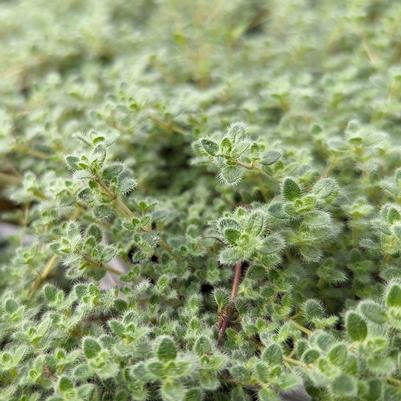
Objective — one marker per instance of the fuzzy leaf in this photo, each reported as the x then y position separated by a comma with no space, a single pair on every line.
172,390
91,347
232,235
72,162
202,346
393,215
393,295
344,385
356,326
325,188
208,379
313,309
291,189
338,354
270,157
230,175
310,355
256,223
193,394
273,354
10,305
266,394
373,311
112,171
94,231
166,349
65,384
272,244
210,147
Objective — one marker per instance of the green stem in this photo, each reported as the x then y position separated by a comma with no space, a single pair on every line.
105,266
296,362
125,211
50,265
302,328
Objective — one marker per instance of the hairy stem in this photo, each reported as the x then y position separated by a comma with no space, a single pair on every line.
225,317
125,211
302,328
105,266
50,265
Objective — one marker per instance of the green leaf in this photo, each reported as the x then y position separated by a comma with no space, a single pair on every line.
166,349
226,146
226,222
272,244
276,209
236,130
156,369
373,311
310,355
209,146
94,231
50,292
239,394
291,189
202,346
117,327
91,347
393,215
380,365
100,153
262,372
325,188
232,235
256,222
180,368
208,379
289,381
230,175
98,139
193,394
270,157
266,394
85,195
344,385
338,354
221,298
324,340
356,326
11,306
172,390
229,256
313,309
72,162
65,384
374,390
393,294
112,171
273,355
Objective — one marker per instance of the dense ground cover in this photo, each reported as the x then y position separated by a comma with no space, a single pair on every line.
207,196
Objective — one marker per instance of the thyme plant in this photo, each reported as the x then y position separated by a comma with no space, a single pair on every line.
207,200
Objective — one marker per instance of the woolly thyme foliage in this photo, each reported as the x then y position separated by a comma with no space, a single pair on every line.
235,152
136,273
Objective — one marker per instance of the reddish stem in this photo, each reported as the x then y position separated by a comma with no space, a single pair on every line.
237,278
225,316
